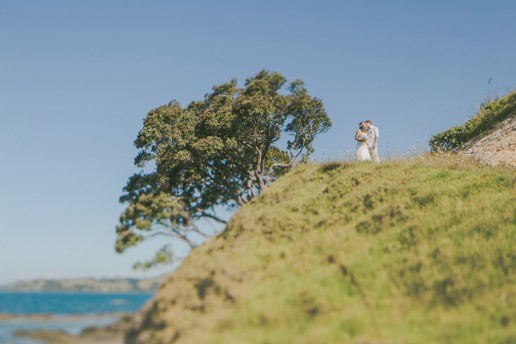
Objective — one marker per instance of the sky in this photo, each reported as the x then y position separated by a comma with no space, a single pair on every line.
78,77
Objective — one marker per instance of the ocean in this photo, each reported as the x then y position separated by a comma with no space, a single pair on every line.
95,309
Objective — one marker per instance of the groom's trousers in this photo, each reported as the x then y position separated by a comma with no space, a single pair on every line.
374,154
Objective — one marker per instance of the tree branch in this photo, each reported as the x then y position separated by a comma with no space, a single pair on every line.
213,217
271,169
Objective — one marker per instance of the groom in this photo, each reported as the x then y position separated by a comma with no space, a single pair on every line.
372,140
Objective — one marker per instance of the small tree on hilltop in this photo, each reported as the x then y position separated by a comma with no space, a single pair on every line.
219,151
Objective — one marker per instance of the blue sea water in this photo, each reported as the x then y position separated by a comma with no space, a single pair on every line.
60,305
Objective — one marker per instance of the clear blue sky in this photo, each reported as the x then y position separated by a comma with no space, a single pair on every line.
78,77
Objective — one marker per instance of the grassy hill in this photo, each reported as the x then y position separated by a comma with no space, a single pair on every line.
87,285
415,251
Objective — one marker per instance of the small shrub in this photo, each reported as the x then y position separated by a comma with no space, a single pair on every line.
333,165
202,286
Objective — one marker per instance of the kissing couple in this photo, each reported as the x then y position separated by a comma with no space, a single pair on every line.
367,136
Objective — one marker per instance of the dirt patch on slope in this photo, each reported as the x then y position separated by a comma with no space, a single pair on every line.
496,148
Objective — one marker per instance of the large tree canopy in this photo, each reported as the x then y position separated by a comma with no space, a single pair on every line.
220,151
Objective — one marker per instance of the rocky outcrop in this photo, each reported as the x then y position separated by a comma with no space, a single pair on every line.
498,147
111,334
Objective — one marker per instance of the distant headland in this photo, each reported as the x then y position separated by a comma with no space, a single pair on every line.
86,285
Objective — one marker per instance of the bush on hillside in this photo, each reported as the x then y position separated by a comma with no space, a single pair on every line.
489,115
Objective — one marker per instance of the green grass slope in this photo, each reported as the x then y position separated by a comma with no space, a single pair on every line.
414,251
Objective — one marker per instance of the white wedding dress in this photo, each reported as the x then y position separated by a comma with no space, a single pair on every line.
362,150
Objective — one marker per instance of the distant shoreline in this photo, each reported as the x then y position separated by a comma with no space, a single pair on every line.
111,333
86,285
75,292
59,317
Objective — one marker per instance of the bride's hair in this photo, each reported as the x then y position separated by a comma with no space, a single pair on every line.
362,127
361,124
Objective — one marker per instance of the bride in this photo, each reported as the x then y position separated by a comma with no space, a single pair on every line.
362,150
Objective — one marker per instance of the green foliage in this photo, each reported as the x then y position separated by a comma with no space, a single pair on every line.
160,214
222,150
162,256
415,251
490,114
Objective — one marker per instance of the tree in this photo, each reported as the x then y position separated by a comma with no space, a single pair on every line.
220,151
